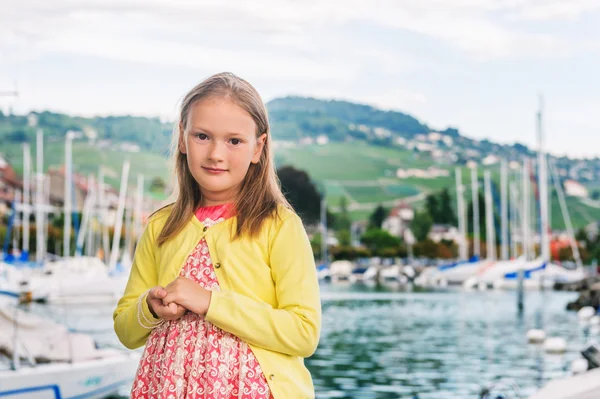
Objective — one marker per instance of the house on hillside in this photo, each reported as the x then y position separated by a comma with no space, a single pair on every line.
429,173
490,160
575,189
446,232
434,136
399,219
9,183
322,139
56,179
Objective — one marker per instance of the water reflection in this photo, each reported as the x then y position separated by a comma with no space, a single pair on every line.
382,344
387,343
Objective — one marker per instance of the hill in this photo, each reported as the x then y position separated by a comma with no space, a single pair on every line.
367,155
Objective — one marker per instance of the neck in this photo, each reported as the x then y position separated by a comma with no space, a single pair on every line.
210,202
219,198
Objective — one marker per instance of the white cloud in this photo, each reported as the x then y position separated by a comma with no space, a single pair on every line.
480,28
419,56
553,9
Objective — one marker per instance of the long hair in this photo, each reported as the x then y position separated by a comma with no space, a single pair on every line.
260,192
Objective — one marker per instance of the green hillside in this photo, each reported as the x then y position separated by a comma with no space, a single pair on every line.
296,117
359,163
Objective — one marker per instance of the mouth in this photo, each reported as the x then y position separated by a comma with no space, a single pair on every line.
214,170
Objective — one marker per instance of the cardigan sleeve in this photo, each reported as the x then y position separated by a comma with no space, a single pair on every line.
133,321
293,327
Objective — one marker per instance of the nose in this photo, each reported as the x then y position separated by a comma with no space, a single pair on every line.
215,152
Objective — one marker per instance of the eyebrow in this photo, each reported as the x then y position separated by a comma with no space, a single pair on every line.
199,128
194,128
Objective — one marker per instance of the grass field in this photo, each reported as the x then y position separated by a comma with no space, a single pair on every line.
363,174
349,161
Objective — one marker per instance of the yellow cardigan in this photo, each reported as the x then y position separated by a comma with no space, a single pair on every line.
269,292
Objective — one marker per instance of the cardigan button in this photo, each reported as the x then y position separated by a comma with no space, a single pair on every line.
272,377
205,228
217,265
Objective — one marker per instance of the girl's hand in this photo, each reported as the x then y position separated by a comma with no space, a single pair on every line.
188,294
172,311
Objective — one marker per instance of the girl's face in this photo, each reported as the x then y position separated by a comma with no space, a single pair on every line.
220,143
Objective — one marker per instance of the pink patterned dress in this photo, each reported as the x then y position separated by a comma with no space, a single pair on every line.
193,359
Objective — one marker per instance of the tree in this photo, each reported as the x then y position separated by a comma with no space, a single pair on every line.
315,243
158,185
343,221
432,207
426,248
581,235
421,225
377,240
446,210
343,237
301,193
377,217
440,209
348,253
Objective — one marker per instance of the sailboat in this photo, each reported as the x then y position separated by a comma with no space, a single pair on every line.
42,359
71,278
458,273
539,272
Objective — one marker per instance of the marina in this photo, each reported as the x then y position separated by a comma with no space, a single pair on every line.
387,342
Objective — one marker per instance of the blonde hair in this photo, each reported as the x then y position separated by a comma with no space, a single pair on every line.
260,192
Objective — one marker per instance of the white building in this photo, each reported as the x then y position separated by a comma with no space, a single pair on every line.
490,160
400,140
425,147
514,165
90,133
434,136
382,132
575,189
429,173
32,120
441,232
322,140
472,153
448,140
398,220
471,164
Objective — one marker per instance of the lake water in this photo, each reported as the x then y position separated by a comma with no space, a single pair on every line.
389,343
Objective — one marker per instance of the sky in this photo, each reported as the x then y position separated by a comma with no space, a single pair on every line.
476,65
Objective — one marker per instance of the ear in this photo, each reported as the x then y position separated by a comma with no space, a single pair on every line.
181,140
260,144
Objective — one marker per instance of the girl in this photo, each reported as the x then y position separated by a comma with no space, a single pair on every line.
223,288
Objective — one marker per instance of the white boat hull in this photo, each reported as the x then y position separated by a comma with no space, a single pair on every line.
582,386
90,379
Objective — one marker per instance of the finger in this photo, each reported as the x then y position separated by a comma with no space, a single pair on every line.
155,291
170,288
169,298
173,307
